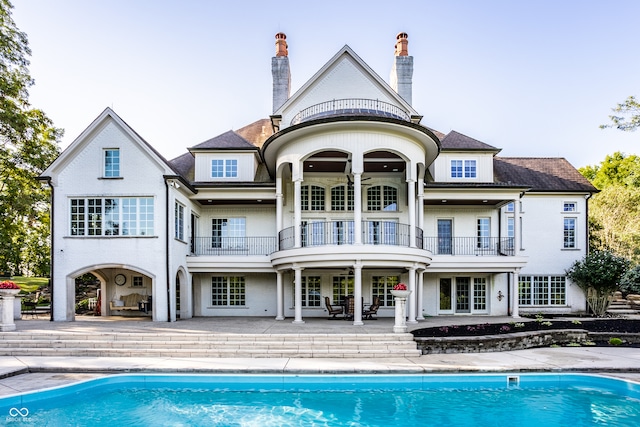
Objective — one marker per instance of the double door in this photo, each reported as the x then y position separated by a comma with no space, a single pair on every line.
463,295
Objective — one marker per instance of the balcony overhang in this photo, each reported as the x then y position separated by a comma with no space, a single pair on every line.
229,264
471,194
344,256
476,264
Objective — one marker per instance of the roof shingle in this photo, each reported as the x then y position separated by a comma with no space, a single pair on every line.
541,174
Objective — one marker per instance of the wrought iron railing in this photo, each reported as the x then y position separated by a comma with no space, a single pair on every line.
234,245
322,233
470,245
350,107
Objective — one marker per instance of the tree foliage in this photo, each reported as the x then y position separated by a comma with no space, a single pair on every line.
28,143
630,283
627,117
598,274
614,213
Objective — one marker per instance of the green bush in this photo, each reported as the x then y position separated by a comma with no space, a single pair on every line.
630,282
615,341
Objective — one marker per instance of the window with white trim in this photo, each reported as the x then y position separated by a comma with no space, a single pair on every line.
381,287
120,216
463,169
111,162
312,198
342,287
137,282
311,291
228,233
569,235
543,290
228,291
484,233
342,198
382,198
179,221
224,168
569,207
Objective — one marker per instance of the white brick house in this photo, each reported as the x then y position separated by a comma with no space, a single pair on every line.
341,191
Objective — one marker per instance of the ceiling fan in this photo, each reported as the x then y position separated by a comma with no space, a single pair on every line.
350,181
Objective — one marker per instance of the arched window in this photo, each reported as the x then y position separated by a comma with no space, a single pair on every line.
342,198
382,198
312,198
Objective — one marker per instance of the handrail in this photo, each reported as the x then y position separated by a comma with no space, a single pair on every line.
234,245
470,245
350,107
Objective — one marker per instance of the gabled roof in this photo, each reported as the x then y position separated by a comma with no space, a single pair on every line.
346,51
257,132
229,140
458,141
106,115
541,174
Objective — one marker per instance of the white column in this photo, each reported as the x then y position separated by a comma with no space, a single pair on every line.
357,294
279,296
420,207
420,294
400,325
411,304
297,300
357,208
279,204
515,311
297,213
411,197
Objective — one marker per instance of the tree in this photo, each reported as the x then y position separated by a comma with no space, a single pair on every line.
28,143
628,117
614,213
598,274
630,282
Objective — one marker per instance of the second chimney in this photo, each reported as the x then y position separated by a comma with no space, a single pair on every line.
402,71
281,72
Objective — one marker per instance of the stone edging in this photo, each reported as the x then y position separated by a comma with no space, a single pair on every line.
515,341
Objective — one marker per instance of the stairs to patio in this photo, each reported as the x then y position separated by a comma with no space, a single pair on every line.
622,308
190,345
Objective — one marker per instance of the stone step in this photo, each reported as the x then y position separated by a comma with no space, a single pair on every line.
210,345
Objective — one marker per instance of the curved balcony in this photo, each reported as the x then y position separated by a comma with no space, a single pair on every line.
325,233
351,107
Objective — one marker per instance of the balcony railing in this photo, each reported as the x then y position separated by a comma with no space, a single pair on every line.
323,233
234,245
470,245
351,107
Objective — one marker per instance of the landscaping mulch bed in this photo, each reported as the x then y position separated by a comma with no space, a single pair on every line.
610,325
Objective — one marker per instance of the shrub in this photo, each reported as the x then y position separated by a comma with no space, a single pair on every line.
630,282
615,341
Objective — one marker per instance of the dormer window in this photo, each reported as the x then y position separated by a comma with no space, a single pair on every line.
111,163
227,168
463,169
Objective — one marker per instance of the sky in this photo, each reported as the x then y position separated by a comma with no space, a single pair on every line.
534,78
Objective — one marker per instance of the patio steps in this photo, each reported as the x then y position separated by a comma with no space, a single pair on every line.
186,345
621,308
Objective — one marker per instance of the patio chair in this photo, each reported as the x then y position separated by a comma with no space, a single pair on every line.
331,309
372,309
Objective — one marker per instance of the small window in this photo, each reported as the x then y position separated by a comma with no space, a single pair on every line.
137,282
227,291
569,233
569,207
463,169
311,291
510,207
111,163
312,198
484,233
382,198
224,168
179,221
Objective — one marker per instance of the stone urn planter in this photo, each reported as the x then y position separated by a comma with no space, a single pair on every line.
400,294
7,297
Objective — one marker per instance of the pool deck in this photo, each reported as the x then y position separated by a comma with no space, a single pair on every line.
25,373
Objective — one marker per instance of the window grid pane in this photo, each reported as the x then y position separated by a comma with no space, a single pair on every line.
337,198
342,287
231,168
112,163
484,232
146,216
540,290
94,211
479,293
569,232
129,217
557,290
456,168
569,207
373,198
236,291
77,217
311,291
218,291
317,198
469,168
217,169
390,199
524,291
179,221
381,287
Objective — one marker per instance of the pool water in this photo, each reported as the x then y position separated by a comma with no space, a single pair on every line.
327,400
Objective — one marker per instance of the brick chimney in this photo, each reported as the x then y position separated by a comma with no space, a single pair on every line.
281,72
402,71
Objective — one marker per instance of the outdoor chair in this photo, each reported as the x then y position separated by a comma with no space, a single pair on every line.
372,309
332,310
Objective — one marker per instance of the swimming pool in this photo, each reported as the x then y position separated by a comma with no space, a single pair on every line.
331,400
